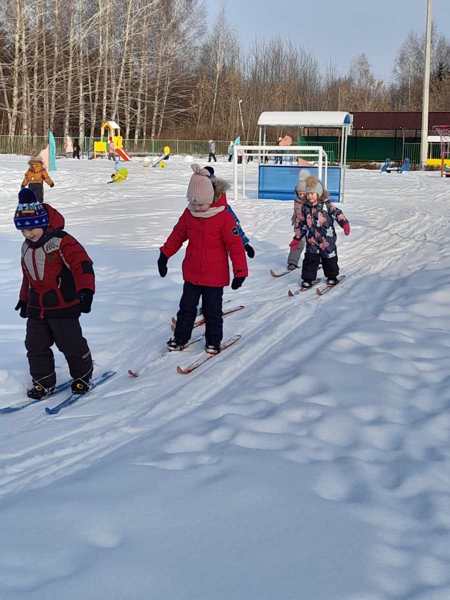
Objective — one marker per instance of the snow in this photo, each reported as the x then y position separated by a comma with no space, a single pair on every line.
310,460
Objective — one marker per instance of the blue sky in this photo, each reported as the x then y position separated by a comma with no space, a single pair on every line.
334,30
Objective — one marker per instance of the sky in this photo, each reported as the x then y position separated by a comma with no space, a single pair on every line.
335,31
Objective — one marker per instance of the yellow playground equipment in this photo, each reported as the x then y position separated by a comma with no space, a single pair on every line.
121,175
439,159
101,146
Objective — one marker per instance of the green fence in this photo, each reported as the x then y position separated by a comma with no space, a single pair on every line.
360,149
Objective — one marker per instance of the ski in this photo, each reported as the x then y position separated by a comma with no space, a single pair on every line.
301,290
282,273
15,407
202,320
132,373
326,288
205,356
96,381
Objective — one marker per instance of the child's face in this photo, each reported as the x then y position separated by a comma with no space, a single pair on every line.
202,206
33,235
313,198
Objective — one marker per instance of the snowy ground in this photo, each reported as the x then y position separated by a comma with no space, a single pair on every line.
311,461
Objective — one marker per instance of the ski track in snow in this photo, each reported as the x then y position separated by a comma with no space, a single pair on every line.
357,381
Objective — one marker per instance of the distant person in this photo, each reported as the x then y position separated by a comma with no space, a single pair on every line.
111,149
230,151
35,176
212,150
76,150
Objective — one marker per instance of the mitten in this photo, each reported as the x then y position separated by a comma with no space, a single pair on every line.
346,228
162,264
250,250
294,244
21,306
237,282
85,297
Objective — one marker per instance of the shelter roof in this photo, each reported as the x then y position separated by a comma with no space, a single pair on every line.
305,119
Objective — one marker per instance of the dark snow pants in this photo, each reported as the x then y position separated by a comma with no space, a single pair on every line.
311,263
212,311
68,337
38,190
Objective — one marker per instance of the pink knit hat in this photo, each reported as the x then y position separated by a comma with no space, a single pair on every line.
200,189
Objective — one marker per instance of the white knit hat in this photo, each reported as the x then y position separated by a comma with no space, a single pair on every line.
200,189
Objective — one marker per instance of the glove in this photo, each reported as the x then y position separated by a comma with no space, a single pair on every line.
85,297
52,185
237,282
21,306
294,244
162,264
250,250
346,228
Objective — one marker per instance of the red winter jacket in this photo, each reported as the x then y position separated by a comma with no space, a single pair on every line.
55,269
211,240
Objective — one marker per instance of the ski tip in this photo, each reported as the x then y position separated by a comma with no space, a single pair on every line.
132,373
290,294
49,411
181,371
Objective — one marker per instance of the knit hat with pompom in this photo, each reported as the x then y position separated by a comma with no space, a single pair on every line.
200,189
30,213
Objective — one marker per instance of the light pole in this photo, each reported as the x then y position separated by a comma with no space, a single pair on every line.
426,91
242,120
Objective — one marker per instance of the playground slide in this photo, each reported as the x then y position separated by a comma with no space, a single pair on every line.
123,155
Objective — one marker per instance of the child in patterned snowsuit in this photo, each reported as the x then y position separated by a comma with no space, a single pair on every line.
315,223
58,284
35,176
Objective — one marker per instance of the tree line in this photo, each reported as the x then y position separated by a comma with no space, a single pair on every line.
156,68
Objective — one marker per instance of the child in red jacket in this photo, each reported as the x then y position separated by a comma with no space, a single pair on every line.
58,284
213,237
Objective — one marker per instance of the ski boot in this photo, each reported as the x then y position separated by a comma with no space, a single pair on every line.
38,391
332,281
80,386
174,346
212,348
306,285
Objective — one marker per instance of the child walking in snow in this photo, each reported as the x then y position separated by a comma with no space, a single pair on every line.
213,237
220,188
35,176
58,284
316,224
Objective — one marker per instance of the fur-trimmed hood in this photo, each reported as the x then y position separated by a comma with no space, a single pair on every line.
220,187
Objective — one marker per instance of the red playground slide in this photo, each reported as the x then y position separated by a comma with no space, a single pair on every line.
123,155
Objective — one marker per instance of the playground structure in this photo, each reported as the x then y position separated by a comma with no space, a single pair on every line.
160,160
391,167
443,138
101,146
277,179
